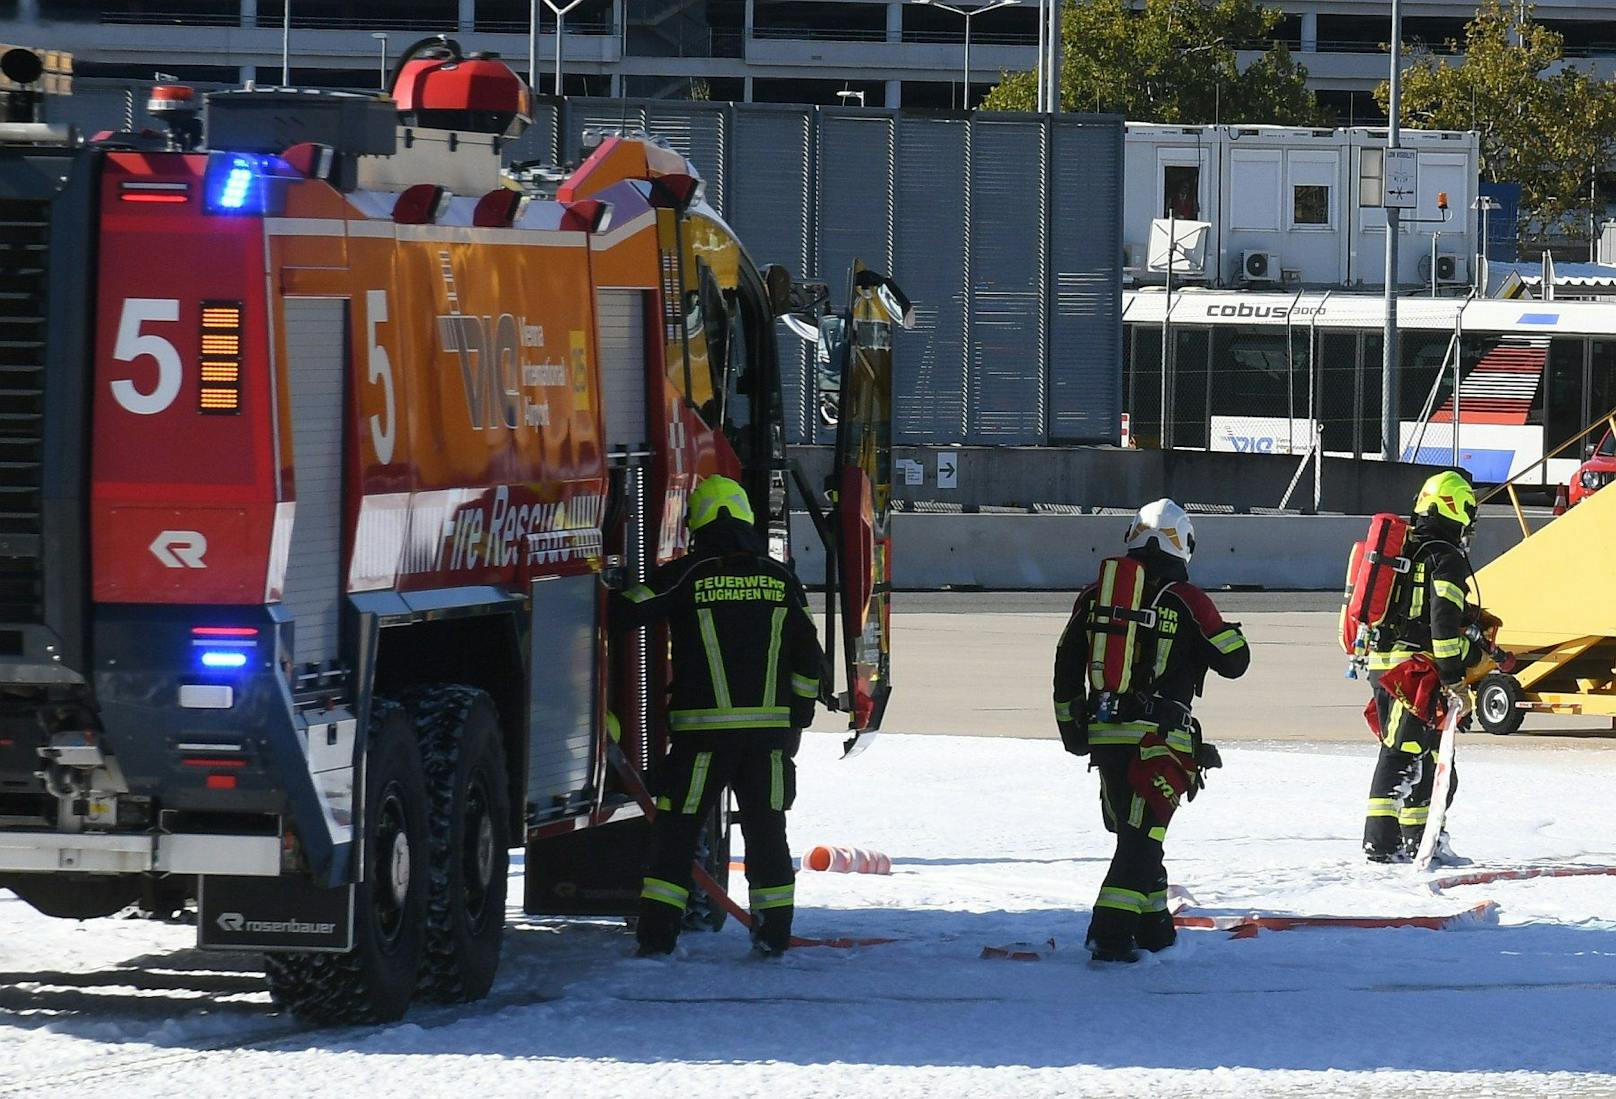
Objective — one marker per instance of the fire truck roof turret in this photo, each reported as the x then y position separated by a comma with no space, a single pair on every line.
436,86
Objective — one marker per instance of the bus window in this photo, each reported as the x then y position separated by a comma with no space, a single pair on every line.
1337,389
1424,363
1369,410
1601,377
1253,374
1144,385
1558,406
1188,387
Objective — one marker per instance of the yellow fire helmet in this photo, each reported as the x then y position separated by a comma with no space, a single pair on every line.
714,496
1448,495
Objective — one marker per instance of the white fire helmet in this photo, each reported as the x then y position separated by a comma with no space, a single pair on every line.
1164,522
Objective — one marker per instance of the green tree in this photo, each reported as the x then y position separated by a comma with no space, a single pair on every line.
1173,61
1548,126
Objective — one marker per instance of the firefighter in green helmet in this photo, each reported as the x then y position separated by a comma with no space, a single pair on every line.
1417,656
746,676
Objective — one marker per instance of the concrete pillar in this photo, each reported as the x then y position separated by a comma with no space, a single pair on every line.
746,24
894,94
248,74
1310,32
746,91
467,16
249,12
895,22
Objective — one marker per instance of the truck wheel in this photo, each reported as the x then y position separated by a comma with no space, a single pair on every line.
374,982
702,913
458,729
1496,700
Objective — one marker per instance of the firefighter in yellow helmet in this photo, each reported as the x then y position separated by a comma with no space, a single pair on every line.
1420,653
746,675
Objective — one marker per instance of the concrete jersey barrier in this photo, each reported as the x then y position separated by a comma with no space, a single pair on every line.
1063,552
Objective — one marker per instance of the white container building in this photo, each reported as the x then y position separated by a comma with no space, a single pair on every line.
1285,205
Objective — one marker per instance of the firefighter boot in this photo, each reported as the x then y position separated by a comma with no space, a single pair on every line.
1156,931
658,930
771,932
1111,935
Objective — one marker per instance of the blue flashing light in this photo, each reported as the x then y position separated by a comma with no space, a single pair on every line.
236,185
244,183
224,658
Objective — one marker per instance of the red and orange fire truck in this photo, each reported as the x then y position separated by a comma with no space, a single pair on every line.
319,442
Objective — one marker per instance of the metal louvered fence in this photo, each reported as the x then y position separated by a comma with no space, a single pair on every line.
1004,229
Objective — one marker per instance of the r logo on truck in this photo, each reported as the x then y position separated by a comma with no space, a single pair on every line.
180,549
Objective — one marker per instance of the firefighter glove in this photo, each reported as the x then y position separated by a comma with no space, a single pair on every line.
1207,757
1074,737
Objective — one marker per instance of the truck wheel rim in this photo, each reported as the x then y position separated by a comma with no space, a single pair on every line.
393,864
1495,706
478,857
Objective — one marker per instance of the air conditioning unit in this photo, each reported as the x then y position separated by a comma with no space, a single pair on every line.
1452,270
1257,265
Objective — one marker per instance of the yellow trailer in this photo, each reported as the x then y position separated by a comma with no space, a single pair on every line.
1556,595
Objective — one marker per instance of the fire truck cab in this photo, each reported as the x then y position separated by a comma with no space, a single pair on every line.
322,440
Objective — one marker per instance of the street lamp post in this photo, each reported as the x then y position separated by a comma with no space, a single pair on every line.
1390,444
381,58
1486,204
967,14
560,13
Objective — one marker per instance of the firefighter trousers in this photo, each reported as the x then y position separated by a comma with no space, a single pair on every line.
1131,908
1405,773
757,765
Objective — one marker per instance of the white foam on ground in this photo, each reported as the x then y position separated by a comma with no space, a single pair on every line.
992,841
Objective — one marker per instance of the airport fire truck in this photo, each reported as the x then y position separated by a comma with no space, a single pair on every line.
323,437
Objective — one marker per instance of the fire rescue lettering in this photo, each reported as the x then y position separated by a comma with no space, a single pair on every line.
503,533
722,589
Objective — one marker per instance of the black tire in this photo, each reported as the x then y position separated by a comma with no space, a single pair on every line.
374,982
1496,708
466,775
702,913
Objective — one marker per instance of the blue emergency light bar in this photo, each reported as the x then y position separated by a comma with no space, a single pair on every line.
245,183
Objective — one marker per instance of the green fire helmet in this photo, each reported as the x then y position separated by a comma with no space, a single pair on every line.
713,497
1448,495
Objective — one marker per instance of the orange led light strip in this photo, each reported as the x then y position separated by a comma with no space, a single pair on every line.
220,392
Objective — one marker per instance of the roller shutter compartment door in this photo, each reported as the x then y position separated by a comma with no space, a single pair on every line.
316,353
620,315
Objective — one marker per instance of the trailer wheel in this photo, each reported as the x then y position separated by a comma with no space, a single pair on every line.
702,913
458,729
374,982
1496,707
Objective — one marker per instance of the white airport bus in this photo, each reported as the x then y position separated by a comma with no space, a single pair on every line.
1264,371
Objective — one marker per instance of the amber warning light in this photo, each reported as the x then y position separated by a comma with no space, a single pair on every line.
220,392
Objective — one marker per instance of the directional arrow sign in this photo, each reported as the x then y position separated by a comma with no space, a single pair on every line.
948,471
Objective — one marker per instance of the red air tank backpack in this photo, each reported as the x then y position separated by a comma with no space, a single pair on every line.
1372,571
1118,626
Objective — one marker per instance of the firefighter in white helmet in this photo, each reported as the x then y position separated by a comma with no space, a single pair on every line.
1127,670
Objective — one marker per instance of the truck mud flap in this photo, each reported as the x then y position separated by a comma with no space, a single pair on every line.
273,914
593,872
